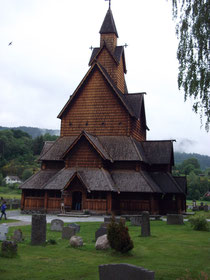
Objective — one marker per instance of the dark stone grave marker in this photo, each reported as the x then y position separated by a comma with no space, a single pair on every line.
38,229
145,224
123,271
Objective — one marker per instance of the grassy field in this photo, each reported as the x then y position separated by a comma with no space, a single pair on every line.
198,202
171,251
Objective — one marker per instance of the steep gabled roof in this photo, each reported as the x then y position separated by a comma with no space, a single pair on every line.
159,152
118,93
133,181
57,149
39,180
93,141
46,147
118,53
120,148
182,182
94,179
166,182
108,25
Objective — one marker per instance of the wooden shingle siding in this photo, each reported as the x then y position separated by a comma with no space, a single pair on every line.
120,80
52,164
97,110
115,71
110,39
83,155
137,130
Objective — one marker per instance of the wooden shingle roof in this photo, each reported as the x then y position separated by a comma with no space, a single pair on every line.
114,148
166,182
39,180
108,25
57,149
117,54
132,181
122,97
159,152
94,179
100,179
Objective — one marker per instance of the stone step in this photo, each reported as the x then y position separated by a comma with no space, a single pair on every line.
74,214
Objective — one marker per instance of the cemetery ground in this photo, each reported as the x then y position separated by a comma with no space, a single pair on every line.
172,251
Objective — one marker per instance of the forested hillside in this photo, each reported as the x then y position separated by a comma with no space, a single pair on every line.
33,131
19,153
204,161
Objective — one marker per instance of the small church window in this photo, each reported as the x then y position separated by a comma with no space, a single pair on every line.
86,123
103,123
70,123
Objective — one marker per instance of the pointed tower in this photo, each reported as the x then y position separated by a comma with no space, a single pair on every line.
108,31
109,55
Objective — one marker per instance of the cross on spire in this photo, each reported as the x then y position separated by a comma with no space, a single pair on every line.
109,3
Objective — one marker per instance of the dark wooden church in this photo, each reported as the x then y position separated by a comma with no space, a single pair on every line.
102,161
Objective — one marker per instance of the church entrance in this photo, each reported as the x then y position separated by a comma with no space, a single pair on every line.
77,200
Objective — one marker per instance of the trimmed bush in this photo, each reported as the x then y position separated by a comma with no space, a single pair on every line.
199,223
118,237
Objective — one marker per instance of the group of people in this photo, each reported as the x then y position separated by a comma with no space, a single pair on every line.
3,210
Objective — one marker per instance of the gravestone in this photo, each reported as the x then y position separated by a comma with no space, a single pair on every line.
145,224
76,241
38,229
117,220
124,271
102,243
17,235
56,225
206,209
8,249
201,207
101,231
136,220
76,226
175,219
3,232
68,232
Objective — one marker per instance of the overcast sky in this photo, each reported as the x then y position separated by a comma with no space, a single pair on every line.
50,52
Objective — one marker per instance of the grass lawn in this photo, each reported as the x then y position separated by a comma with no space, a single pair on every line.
3,221
198,202
170,251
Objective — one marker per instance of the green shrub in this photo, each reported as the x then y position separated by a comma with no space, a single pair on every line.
51,242
199,223
118,236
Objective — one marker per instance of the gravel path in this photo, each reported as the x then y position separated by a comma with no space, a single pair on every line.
26,219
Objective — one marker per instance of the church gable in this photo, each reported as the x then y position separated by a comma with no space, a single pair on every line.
83,154
96,108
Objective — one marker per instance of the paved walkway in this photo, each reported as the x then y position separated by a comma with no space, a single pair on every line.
26,219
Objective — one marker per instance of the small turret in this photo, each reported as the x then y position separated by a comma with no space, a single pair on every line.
108,31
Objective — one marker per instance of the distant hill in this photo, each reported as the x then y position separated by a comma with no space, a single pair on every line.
204,161
34,131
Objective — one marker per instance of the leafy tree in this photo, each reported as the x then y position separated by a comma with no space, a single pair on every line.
38,145
26,174
193,183
192,29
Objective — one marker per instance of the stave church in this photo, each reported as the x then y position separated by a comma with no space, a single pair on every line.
102,162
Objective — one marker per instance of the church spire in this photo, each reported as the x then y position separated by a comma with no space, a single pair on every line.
108,26
108,31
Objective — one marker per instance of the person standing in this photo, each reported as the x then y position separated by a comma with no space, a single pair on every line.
3,210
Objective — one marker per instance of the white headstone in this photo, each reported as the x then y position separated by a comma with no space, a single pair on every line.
3,232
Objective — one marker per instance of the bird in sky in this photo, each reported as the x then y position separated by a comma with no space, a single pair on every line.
10,44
